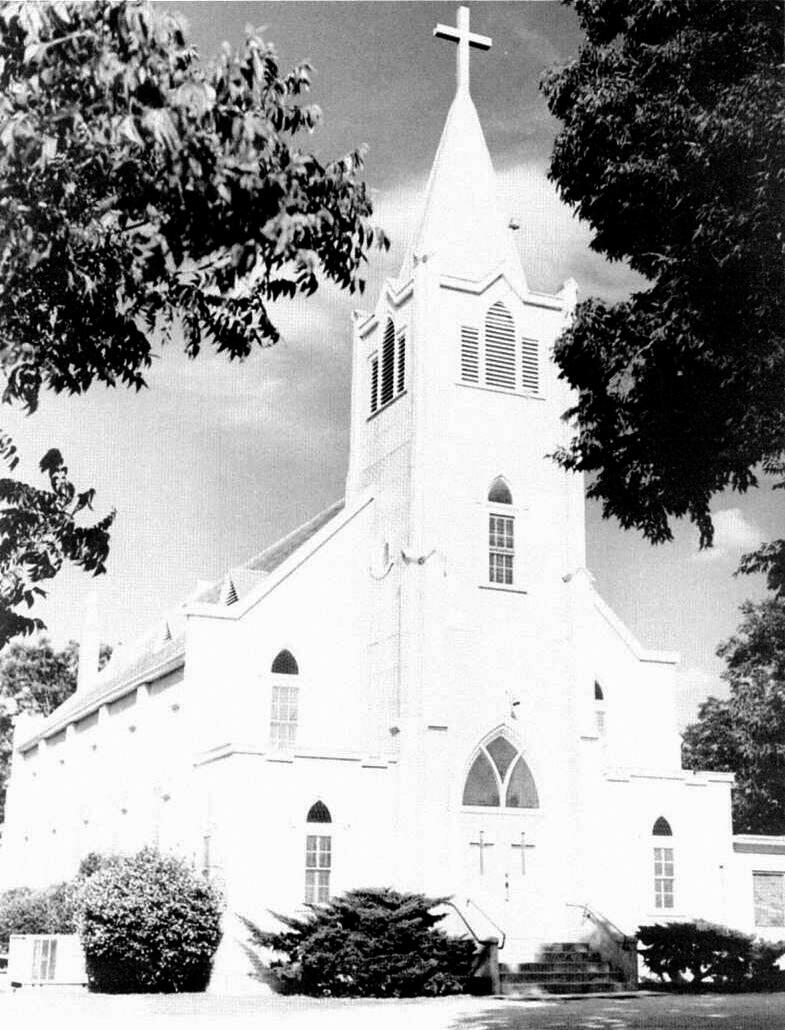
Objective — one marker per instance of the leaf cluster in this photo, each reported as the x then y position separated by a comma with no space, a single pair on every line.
745,734
148,924
707,951
142,192
40,529
370,942
672,149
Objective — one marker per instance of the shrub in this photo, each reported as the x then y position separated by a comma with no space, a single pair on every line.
48,910
373,942
148,923
707,951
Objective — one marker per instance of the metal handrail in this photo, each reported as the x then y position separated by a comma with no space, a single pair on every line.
503,940
598,917
463,919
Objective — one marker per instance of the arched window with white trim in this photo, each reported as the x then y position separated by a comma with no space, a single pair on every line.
599,708
500,778
664,864
501,533
284,698
318,856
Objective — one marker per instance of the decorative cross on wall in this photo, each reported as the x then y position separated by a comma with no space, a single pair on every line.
523,846
482,844
465,39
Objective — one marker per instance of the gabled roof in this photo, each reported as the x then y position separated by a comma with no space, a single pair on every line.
461,221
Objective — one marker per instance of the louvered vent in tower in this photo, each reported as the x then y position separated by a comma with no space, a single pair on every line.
374,384
388,363
401,361
499,348
470,354
530,366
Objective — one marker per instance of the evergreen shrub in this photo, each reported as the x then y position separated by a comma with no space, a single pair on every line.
48,910
371,942
148,923
702,951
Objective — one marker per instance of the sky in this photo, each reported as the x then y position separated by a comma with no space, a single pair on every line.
216,460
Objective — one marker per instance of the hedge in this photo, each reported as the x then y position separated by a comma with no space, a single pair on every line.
705,951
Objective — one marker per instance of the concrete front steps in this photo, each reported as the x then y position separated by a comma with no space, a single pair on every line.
562,969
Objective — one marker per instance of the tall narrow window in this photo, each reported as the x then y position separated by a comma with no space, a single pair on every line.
283,716
374,383
499,347
530,366
664,867
769,898
401,372
388,363
501,535
599,709
318,857
470,354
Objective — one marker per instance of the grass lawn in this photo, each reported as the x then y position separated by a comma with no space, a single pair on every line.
42,1007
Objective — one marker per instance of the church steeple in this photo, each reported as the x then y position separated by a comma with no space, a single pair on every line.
461,224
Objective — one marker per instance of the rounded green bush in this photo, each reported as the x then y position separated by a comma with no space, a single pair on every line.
148,923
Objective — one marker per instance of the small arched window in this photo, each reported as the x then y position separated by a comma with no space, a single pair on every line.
664,866
318,857
501,535
319,813
284,697
285,664
599,709
498,772
499,492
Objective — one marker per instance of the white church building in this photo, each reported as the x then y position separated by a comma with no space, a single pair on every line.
420,687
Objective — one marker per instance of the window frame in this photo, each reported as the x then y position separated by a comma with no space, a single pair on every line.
503,783
472,355
284,710
662,854
500,519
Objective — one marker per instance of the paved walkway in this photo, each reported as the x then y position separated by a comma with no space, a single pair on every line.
60,1009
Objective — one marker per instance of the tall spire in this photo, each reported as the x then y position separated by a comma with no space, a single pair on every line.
461,222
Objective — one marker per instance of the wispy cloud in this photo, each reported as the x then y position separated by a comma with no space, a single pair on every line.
734,533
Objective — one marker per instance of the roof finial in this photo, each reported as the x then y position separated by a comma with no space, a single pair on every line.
465,39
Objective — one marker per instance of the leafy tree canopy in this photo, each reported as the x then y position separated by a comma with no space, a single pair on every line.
745,734
672,148
142,191
35,678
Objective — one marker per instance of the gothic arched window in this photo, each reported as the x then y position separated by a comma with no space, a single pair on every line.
501,534
498,772
283,714
318,857
664,865
599,709
319,813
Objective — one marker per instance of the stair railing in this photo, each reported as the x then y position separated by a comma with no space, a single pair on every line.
615,946
486,964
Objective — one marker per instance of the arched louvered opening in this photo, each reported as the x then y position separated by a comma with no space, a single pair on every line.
661,828
499,771
500,492
319,813
388,363
285,664
598,694
499,347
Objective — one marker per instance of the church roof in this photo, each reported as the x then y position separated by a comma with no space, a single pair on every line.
148,665
461,222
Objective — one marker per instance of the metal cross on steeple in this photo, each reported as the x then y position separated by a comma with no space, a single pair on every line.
465,39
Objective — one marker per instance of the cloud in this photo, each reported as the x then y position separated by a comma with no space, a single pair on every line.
733,534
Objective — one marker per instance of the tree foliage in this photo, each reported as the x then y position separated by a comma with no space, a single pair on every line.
372,942
672,148
142,191
40,529
43,910
745,734
148,924
707,951
35,678
144,196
